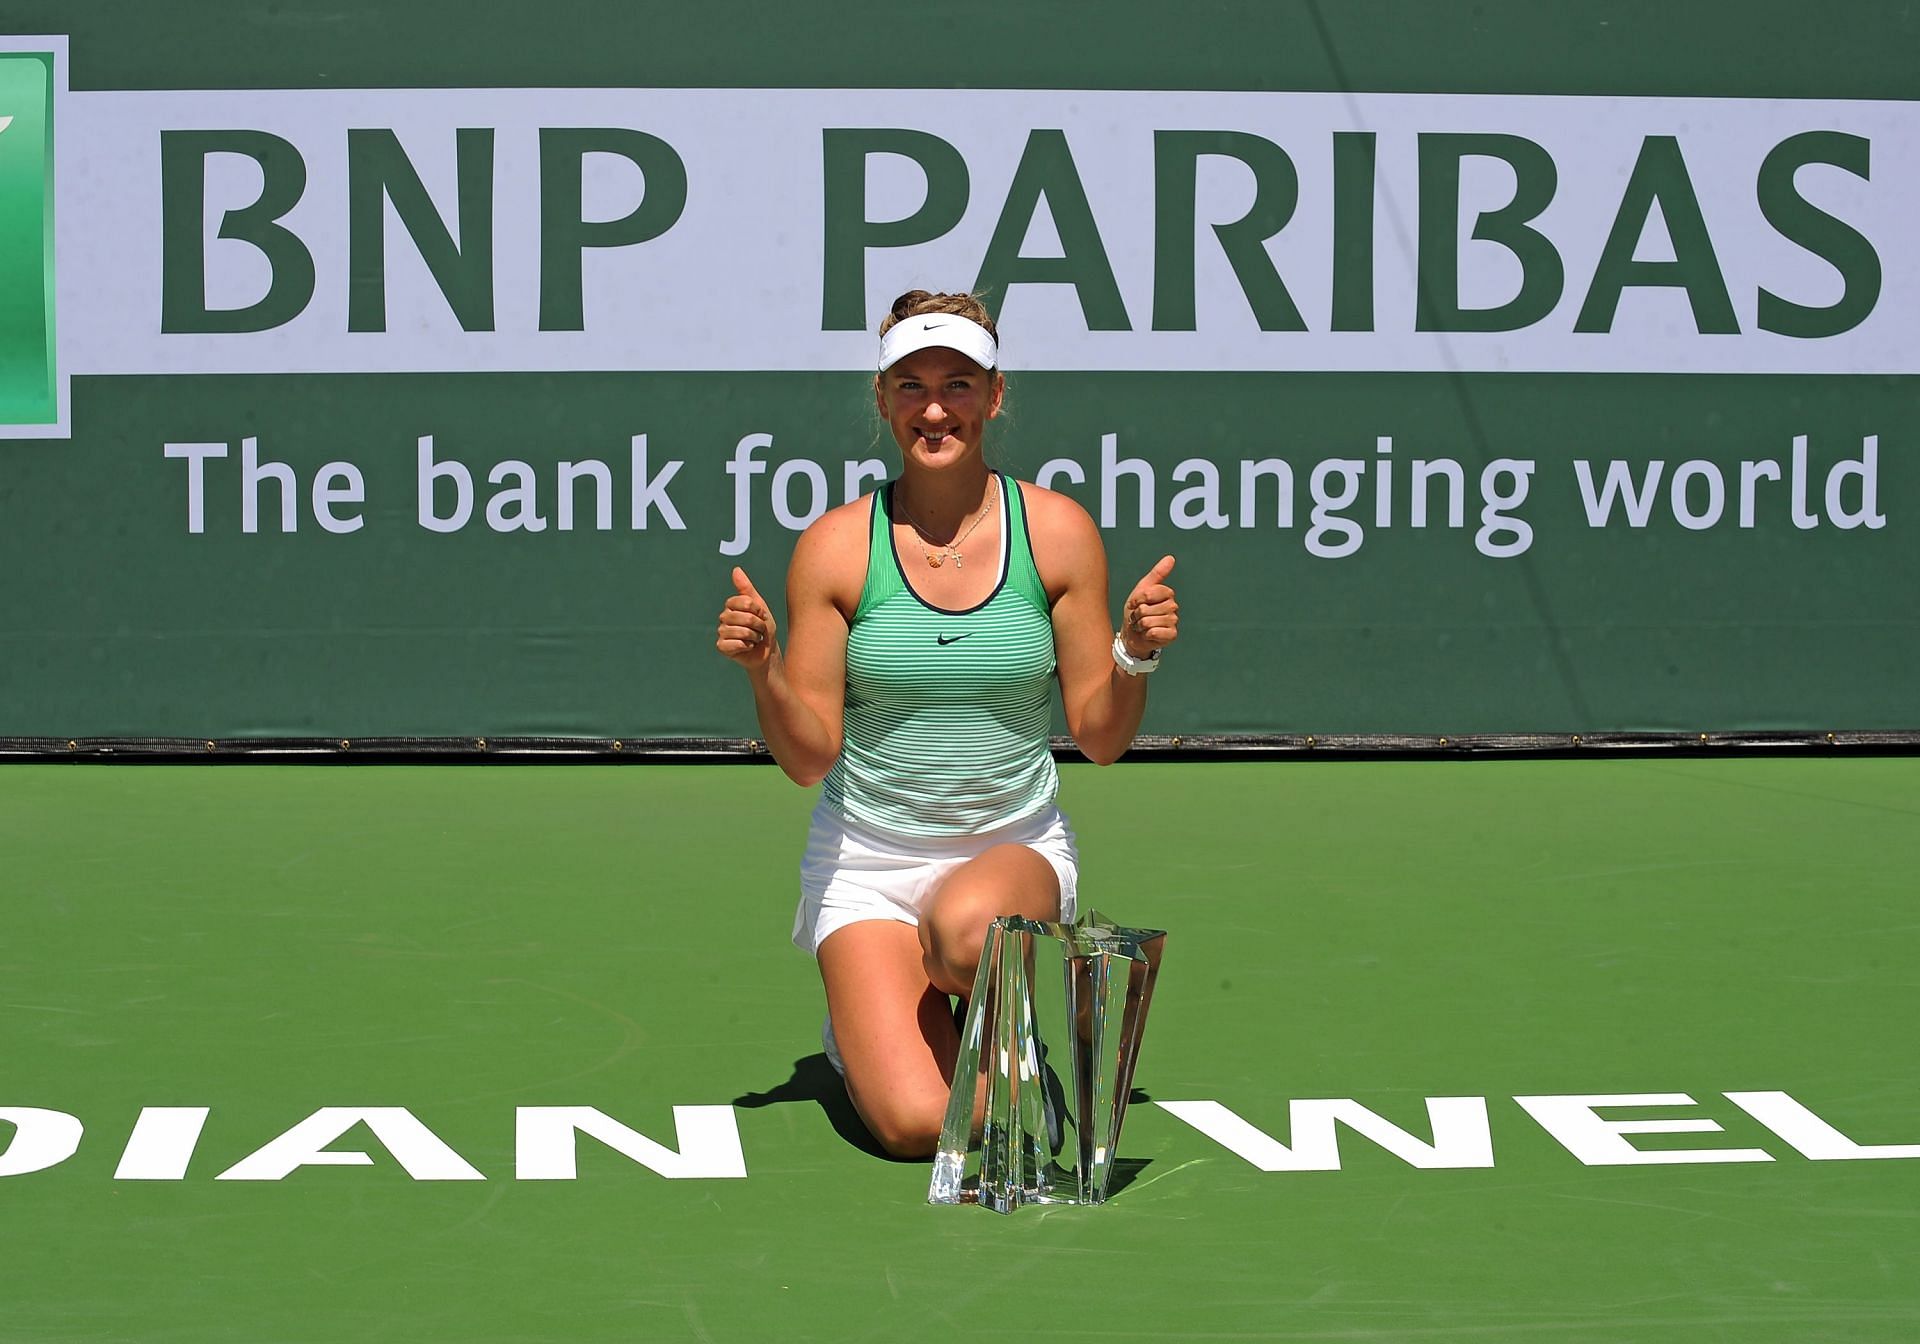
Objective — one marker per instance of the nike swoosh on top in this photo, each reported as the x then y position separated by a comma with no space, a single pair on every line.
949,639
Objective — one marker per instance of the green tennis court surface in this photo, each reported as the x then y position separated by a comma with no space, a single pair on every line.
463,943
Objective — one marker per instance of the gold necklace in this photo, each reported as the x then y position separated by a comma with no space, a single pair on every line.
952,548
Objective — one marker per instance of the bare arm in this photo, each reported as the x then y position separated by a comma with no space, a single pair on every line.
1103,704
799,695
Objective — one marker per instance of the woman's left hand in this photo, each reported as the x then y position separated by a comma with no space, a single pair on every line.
1151,618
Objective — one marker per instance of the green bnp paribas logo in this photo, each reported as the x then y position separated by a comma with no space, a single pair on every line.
29,392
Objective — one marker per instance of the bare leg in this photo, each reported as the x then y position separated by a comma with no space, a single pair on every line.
895,1033
1005,880
888,986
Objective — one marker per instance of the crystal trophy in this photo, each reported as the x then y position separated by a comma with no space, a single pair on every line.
1046,1063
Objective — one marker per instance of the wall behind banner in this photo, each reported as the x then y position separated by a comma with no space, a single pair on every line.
419,503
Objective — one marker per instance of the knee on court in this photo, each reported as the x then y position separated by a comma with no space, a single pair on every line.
906,1126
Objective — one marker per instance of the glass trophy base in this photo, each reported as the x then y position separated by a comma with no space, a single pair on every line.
1046,1063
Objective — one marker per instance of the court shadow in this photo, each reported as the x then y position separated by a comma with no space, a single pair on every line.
1126,1170
814,1080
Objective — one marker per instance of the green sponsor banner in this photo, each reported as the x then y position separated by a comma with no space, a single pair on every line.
1539,369
28,392
396,555
1710,48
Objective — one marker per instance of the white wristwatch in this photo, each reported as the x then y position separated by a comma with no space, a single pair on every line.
1133,667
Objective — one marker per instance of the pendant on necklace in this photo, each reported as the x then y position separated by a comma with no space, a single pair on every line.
935,561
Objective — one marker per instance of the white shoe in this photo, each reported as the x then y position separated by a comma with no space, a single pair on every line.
831,1046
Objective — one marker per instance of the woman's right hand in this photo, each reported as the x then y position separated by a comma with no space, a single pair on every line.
746,625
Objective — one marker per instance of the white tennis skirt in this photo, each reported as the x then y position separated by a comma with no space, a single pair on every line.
852,872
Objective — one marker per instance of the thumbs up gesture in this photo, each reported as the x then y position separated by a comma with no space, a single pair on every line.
746,625
1151,618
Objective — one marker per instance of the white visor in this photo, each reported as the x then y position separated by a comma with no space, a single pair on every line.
949,331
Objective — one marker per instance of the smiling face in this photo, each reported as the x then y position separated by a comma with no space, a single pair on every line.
937,403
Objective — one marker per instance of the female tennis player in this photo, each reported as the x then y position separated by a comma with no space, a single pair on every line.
929,622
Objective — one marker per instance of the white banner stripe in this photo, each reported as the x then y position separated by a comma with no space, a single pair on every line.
737,282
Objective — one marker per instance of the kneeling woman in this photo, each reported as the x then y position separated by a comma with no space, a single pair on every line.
930,620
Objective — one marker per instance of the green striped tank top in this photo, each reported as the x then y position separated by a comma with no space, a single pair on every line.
947,712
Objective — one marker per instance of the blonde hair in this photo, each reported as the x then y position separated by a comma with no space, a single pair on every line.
919,302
